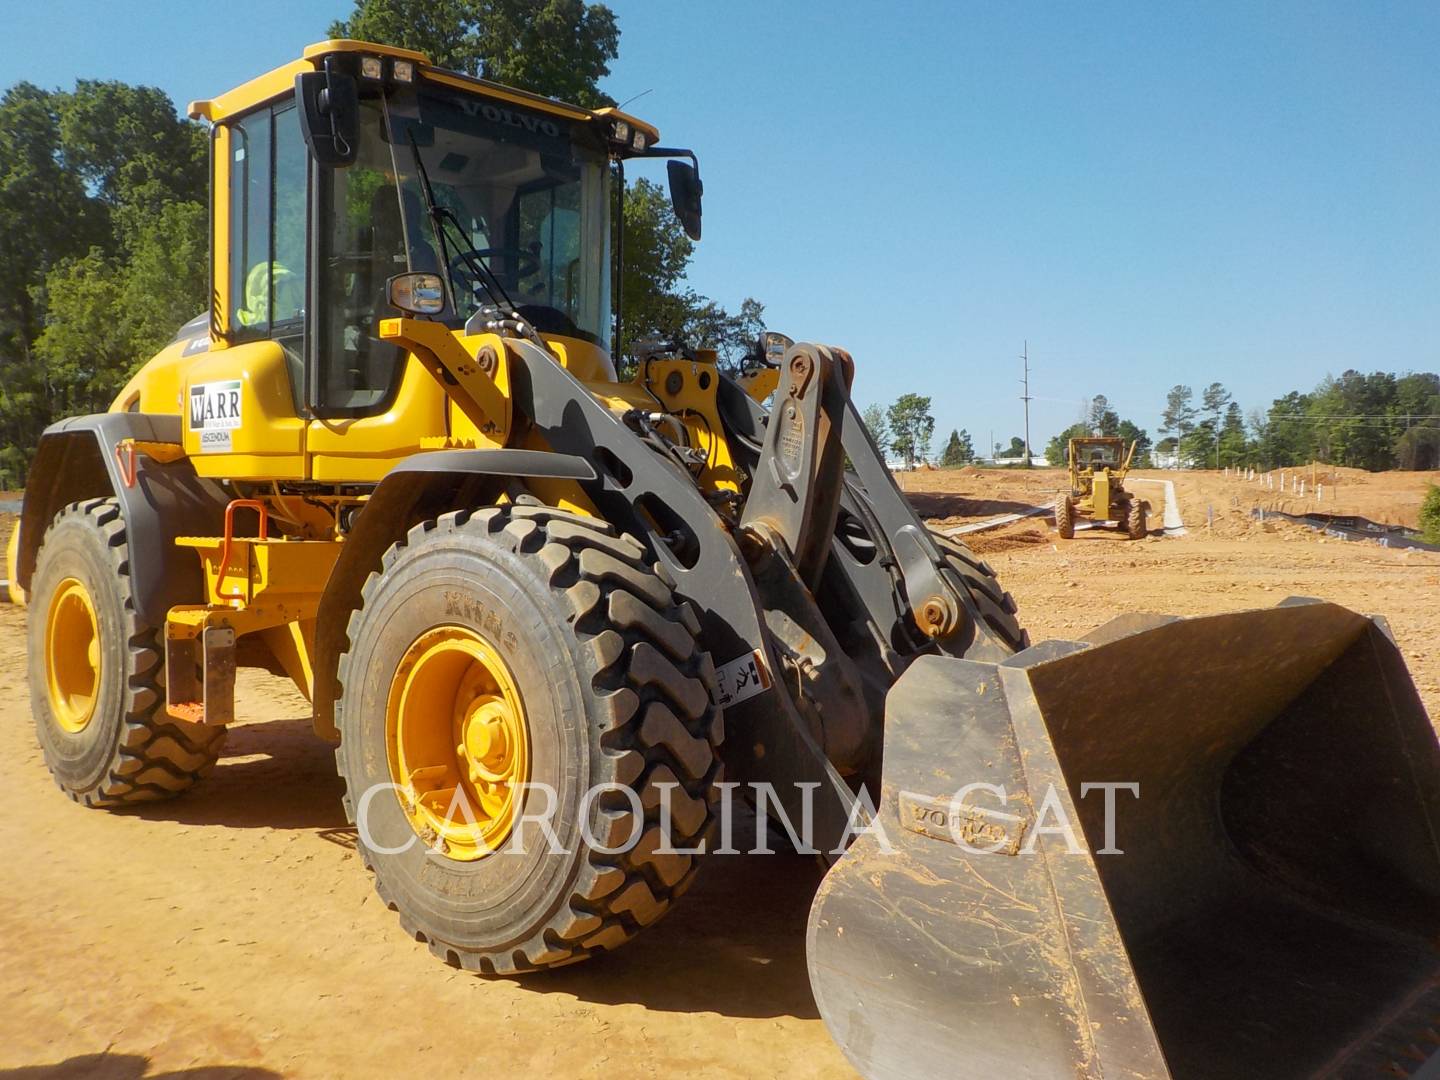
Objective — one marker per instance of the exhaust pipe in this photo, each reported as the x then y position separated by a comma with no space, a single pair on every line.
1266,903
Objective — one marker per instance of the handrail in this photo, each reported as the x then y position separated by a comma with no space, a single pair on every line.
231,507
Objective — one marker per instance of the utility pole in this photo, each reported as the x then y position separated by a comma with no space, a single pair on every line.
1025,397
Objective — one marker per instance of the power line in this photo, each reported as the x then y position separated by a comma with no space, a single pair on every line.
1355,416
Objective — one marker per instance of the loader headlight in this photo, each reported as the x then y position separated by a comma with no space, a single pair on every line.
403,71
622,131
419,294
638,142
371,67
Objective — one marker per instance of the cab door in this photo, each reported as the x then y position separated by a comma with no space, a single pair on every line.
243,397
370,403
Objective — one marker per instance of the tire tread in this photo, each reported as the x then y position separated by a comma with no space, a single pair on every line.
645,663
155,756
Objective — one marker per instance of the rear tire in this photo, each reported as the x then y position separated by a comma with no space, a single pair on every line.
995,605
1135,525
124,747
615,694
1065,516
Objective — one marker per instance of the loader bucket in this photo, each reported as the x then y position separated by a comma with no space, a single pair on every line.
1268,906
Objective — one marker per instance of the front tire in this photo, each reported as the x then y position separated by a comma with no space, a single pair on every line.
996,606
97,685
613,694
1135,524
1065,516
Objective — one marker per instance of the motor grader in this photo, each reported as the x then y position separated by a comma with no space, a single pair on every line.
1098,465
394,462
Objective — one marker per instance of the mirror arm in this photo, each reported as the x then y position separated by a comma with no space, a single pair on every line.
670,152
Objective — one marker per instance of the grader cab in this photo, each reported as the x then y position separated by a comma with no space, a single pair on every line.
543,611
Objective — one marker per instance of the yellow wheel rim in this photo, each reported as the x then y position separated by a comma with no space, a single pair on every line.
72,655
457,742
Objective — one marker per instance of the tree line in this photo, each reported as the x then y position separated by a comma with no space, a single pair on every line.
904,432
1377,421
104,210
1101,419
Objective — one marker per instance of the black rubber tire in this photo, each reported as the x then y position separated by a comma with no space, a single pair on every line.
1135,524
132,750
616,691
995,605
1065,516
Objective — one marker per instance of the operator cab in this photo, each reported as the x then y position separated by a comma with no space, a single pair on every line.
1098,452
360,163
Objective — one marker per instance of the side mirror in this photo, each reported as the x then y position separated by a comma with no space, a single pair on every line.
418,294
774,345
329,106
685,192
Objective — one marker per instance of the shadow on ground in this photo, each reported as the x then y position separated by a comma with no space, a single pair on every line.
107,1066
271,775
734,945
934,504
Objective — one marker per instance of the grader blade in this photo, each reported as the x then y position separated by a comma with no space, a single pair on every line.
1266,903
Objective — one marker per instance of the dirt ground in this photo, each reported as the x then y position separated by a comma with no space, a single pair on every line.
233,933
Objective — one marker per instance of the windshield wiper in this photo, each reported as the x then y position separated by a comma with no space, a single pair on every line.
465,249
507,315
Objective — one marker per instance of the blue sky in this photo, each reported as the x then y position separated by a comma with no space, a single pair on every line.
1149,194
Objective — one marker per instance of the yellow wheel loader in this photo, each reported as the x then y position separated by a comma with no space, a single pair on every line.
1098,465
543,611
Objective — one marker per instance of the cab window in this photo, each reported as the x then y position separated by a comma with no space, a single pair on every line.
362,238
268,181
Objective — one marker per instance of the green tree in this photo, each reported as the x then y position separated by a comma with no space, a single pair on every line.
959,450
131,148
657,251
1234,446
108,315
1132,433
707,325
1102,418
911,427
1214,402
1200,446
559,48
878,426
102,221
1419,449
46,215
1286,434
1430,516
1178,420
1058,448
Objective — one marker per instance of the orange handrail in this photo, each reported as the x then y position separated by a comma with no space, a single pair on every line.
231,507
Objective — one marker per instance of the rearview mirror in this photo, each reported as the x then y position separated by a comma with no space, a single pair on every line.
329,108
774,345
418,294
685,192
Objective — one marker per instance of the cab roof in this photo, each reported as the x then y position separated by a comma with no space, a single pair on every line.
281,81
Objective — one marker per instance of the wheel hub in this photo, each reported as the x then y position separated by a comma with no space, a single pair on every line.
72,655
457,742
